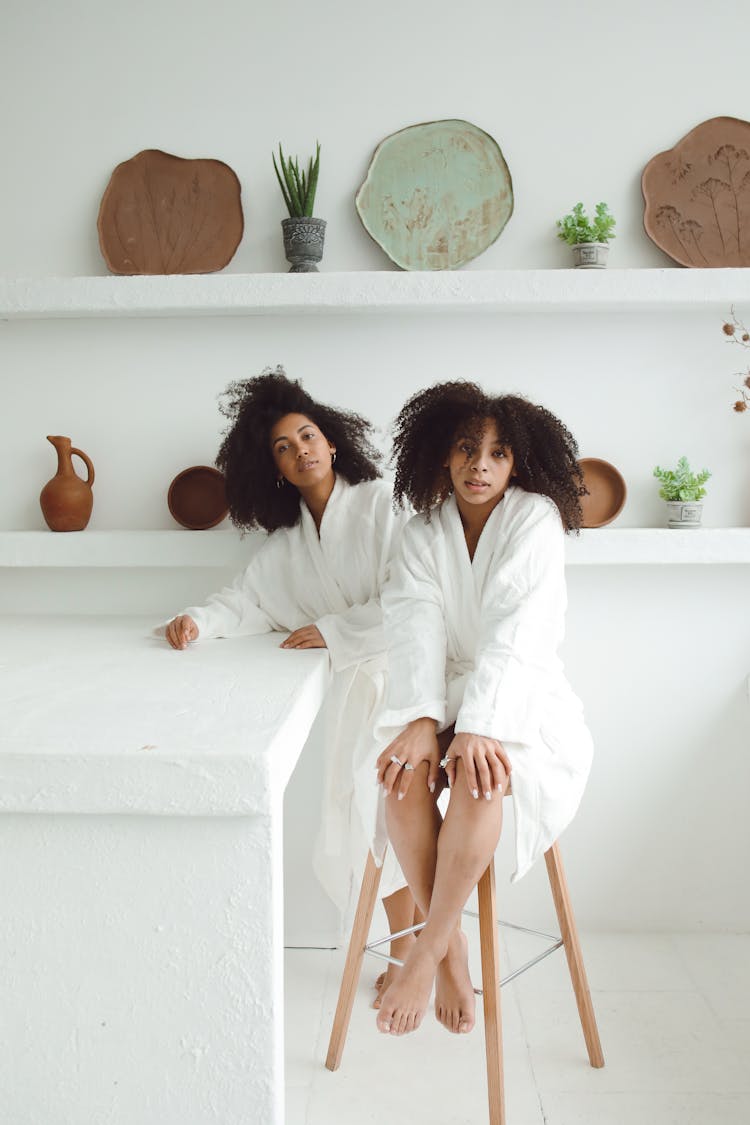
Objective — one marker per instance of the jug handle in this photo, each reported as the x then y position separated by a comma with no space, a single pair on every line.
87,462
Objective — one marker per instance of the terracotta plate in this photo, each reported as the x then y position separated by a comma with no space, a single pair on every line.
161,214
436,195
197,498
607,492
697,195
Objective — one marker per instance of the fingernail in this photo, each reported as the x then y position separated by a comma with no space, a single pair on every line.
488,796
432,787
400,796
475,794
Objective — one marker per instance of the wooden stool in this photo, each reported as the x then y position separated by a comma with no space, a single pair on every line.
491,982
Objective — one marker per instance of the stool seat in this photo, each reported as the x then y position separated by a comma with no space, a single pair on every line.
490,961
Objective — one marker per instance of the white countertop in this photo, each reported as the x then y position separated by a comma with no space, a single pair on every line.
98,716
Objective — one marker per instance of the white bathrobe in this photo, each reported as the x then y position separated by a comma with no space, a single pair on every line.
475,643
333,580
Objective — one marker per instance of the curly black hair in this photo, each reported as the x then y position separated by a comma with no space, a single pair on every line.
253,407
545,453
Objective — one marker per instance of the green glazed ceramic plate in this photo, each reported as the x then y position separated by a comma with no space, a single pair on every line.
436,195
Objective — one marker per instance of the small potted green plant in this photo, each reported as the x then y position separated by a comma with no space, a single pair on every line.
303,235
683,490
588,237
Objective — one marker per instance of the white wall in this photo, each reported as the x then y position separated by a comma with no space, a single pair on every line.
579,98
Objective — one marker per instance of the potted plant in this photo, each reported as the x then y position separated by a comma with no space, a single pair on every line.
683,490
303,235
588,237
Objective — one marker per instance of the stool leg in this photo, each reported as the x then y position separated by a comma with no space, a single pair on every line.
362,920
569,935
493,1031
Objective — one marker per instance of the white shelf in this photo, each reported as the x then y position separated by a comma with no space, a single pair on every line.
126,549
565,290
225,548
648,546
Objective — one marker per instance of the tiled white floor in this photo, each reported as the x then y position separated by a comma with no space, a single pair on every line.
674,1019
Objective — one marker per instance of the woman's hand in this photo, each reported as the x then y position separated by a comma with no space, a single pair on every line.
181,631
417,743
309,636
486,765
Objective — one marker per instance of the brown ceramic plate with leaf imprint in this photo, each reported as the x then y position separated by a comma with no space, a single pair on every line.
606,492
697,195
161,214
197,497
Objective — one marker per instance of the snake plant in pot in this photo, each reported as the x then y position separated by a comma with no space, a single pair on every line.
303,234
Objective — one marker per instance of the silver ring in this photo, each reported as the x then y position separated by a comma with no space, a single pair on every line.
396,761
444,761
408,766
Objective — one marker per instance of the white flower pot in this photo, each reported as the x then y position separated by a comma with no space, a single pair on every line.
684,513
590,255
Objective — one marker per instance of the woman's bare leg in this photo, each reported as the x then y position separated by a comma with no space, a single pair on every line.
402,913
465,844
413,827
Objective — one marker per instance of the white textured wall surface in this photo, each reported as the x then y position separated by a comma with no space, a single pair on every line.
128,971
579,98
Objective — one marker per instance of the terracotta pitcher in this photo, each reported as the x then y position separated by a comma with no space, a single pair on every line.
67,500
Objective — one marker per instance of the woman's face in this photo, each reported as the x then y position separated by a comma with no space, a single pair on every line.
480,465
301,453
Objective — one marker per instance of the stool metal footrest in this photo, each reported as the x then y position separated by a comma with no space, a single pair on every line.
557,943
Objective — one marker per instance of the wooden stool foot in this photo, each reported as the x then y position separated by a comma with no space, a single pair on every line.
569,934
362,920
493,1031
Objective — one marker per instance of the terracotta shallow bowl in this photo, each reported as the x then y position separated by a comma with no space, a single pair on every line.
197,498
607,492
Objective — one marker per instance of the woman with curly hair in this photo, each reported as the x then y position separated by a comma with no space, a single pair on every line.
473,613
307,474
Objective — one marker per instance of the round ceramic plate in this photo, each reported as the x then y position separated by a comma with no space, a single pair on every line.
436,195
197,498
607,492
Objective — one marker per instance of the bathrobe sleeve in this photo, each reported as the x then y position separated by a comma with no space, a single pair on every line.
355,635
522,609
414,619
235,610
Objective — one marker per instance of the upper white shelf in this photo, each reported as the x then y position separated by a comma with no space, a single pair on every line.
604,546
565,290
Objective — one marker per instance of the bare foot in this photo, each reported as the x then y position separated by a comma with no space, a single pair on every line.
455,1003
401,949
404,1003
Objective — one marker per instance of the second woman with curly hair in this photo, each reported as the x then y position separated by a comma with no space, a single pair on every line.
307,473
476,695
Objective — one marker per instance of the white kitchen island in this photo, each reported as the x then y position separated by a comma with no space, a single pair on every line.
141,909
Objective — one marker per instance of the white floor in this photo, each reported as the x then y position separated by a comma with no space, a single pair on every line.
673,1014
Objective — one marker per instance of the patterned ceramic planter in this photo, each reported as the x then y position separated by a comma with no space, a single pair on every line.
590,255
684,513
303,243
